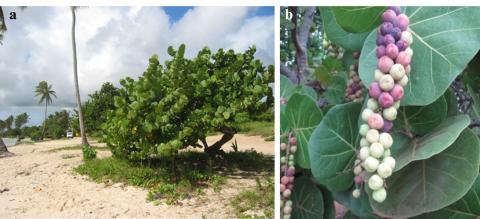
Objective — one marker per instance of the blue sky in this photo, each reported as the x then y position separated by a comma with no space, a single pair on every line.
113,43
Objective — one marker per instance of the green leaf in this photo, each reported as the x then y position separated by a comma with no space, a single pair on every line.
332,147
329,211
358,19
467,207
181,51
335,93
307,199
451,103
431,184
421,119
445,39
359,206
407,150
335,33
287,89
302,115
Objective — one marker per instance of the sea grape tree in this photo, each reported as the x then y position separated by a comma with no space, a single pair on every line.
175,105
406,147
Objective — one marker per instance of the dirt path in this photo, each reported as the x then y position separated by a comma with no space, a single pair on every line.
40,184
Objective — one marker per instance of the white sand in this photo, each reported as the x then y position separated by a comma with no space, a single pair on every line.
40,184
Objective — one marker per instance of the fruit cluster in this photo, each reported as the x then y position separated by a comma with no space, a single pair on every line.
393,68
287,161
355,89
332,49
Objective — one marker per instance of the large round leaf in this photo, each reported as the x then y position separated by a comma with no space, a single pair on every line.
467,207
302,115
445,39
307,199
335,33
429,185
332,147
335,93
358,206
287,89
358,19
421,119
407,150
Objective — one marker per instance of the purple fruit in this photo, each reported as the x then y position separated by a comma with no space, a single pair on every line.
386,28
384,64
375,121
380,40
403,58
396,33
402,45
358,179
385,100
397,92
284,180
291,171
391,51
380,51
396,9
387,39
387,126
389,15
403,22
374,90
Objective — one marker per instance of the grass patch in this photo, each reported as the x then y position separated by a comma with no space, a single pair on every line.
193,172
262,128
261,198
77,147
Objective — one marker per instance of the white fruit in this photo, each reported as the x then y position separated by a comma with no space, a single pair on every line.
372,135
389,113
366,113
363,130
357,170
396,104
390,161
408,69
379,195
357,161
387,153
404,81
386,82
386,140
363,153
372,104
384,170
293,149
289,203
409,51
378,74
407,37
375,182
363,142
397,71
356,193
371,164
376,150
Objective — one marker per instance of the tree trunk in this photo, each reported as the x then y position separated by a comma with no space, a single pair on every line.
75,78
3,150
215,149
45,120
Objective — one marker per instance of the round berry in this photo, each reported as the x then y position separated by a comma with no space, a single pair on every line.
396,33
387,39
364,128
407,37
380,40
363,153
409,51
403,58
375,182
376,150
403,22
385,100
372,104
374,90
282,187
287,210
356,193
384,170
292,140
389,15
291,171
396,9
363,142
397,92
371,164
386,82
389,113
366,113
397,72
404,81
386,140
289,203
387,126
283,146
293,149
357,170
379,195
386,28
287,193
378,74
402,45
380,51
396,104
375,121
384,64
372,136
391,51
390,161
284,180
358,179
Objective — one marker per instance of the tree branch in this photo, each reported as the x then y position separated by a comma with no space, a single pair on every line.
284,70
300,38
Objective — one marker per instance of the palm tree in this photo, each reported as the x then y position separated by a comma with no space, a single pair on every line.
75,78
44,90
3,26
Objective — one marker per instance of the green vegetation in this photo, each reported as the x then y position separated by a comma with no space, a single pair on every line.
94,109
262,128
261,198
78,147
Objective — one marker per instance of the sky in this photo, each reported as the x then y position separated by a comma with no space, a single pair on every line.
112,43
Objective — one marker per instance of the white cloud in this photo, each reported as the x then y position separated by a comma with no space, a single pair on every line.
112,42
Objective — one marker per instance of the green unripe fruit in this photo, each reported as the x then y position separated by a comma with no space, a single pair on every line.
375,182
379,195
363,130
371,164
390,161
356,193
366,113
376,150
390,113
291,163
397,72
291,157
372,135
363,153
363,142
283,160
288,203
386,82
372,104
384,170
386,140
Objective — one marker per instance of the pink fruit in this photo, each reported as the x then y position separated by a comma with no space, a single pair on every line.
290,186
396,9
384,64
387,126
358,179
403,22
282,187
292,140
385,100
291,179
284,180
403,58
391,51
387,39
374,90
283,101
375,121
291,171
397,92
402,45
380,51
386,28
283,146
389,15
287,193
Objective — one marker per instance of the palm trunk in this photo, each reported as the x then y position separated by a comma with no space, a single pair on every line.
75,78
45,120
3,150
